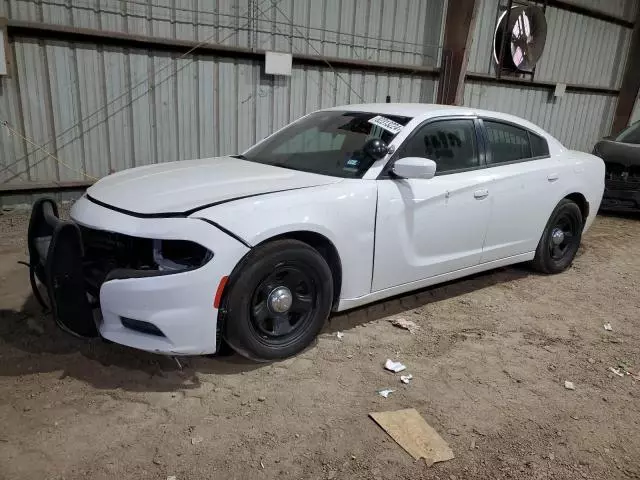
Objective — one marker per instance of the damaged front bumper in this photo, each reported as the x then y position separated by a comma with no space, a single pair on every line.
169,312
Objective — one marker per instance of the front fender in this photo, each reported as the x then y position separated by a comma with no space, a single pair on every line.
344,213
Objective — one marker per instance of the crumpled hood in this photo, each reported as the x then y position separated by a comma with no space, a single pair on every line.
180,187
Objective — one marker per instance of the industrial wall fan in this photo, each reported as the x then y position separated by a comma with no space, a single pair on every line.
526,33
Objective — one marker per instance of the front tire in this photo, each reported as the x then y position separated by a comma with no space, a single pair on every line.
278,300
561,238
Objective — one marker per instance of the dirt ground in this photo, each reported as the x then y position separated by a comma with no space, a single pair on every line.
489,365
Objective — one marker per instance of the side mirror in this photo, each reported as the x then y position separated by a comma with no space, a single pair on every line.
414,167
375,148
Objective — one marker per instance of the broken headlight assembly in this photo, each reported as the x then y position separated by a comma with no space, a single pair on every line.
177,255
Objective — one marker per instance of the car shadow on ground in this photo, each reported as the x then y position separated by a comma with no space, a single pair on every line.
31,343
424,297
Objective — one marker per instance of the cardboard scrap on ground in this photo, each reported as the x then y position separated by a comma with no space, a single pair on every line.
414,434
405,324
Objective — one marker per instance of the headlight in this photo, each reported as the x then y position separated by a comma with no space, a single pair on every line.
175,255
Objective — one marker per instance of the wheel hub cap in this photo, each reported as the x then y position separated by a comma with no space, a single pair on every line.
280,300
557,236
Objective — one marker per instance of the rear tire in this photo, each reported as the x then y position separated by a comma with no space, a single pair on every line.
278,300
560,240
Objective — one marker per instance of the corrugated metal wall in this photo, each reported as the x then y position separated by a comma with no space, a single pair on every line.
618,8
393,31
104,109
579,50
206,107
578,120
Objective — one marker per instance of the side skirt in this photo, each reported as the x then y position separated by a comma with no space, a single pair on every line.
347,303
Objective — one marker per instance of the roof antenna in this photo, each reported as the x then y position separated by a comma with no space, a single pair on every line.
388,98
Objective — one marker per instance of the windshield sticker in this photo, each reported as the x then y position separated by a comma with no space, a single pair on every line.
353,162
387,124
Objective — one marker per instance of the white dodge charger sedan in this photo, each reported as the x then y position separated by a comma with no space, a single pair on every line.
341,208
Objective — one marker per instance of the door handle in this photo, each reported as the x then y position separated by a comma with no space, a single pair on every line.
480,194
553,177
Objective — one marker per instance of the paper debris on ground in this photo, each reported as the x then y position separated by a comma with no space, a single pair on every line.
196,440
406,324
569,385
406,378
608,327
414,434
395,367
616,371
385,393
339,335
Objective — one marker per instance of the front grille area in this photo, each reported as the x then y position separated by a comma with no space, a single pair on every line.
622,185
622,177
105,251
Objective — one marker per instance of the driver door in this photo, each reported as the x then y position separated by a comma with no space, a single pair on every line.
429,227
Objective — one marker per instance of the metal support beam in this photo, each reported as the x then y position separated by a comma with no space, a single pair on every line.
630,82
458,33
512,81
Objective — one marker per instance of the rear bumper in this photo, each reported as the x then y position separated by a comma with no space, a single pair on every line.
150,310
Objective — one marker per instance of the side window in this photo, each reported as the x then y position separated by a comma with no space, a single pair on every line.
450,143
539,146
506,142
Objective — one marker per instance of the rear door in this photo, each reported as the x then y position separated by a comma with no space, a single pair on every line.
526,184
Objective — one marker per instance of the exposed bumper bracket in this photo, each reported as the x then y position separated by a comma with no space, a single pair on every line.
56,253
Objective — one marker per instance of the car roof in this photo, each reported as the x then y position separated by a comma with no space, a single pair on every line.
406,109
423,111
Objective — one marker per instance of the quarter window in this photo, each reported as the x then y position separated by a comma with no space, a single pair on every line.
539,146
450,143
506,142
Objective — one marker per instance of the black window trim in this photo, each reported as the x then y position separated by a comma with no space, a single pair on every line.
481,147
488,153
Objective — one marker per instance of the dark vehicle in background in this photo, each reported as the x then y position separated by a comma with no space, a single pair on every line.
621,155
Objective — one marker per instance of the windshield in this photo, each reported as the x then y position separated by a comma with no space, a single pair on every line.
328,143
630,135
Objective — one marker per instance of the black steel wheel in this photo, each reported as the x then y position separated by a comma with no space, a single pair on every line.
561,238
283,303
279,298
